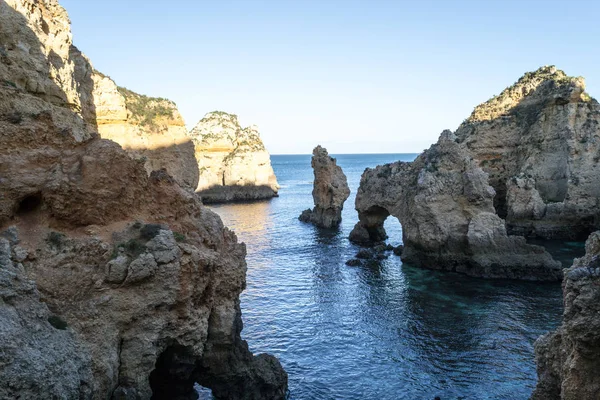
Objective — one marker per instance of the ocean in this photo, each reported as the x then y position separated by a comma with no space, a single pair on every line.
386,330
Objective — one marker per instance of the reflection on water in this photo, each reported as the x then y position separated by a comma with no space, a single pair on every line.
385,330
250,220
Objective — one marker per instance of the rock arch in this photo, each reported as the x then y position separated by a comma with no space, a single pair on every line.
445,205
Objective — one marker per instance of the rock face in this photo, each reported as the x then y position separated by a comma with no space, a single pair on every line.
330,191
445,205
113,283
568,359
150,129
539,142
524,163
233,163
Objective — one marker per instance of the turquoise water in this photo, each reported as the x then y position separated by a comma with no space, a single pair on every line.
382,331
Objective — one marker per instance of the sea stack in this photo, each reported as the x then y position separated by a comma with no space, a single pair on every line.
113,283
568,359
330,191
233,163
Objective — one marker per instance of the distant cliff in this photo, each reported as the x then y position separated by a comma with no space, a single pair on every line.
233,163
149,128
218,158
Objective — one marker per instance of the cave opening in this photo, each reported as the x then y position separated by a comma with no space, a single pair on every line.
373,220
173,375
500,199
29,204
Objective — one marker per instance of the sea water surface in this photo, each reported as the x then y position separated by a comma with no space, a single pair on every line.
386,330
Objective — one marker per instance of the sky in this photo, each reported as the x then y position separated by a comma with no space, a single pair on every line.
354,76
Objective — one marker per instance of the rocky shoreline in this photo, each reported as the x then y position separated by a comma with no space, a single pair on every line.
568,359
115,282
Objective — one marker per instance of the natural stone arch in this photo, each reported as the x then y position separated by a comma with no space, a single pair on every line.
445,205
370,227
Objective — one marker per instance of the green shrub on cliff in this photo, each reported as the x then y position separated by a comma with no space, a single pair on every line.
145,110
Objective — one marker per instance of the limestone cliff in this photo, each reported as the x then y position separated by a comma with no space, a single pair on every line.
150,129
539,141
233,163
538,144
445,205
330,191
113,283
568,359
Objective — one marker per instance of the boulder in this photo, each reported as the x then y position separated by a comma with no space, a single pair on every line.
354,262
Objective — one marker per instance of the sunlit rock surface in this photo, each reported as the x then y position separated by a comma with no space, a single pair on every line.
150,129
233,162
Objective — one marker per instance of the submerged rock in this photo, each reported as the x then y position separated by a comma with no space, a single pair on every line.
445,205
364,254
233,162
568,359
330,191
95,305
354,262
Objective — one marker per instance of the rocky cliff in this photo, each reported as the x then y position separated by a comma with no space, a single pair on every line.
330,191
539,141
445,205
114,283
150,129
568,359
537,144
233,163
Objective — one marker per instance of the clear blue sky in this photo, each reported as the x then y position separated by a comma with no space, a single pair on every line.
354,76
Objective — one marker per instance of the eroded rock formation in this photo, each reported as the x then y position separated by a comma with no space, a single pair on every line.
539,142
150,129
568,359
233,162
445,205
113,283
330,191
